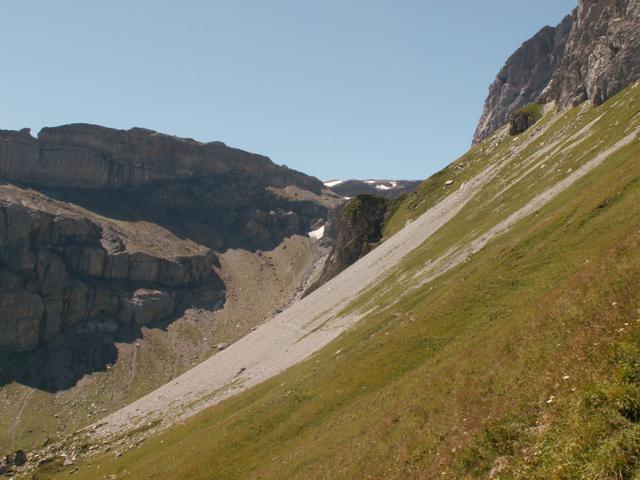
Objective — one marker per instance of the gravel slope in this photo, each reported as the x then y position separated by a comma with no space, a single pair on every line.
313,322
290,337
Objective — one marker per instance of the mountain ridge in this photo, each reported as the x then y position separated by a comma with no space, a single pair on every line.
91,156
383,188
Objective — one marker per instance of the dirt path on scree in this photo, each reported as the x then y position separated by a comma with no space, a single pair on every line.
288,338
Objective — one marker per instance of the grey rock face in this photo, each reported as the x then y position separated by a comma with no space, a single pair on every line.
89,156
23,312
590,56
104,231
359,228
602,54
524,77
148,305
56,277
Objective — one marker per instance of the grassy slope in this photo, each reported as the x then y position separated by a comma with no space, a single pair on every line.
454,378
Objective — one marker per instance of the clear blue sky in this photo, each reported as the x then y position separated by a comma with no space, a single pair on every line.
335,88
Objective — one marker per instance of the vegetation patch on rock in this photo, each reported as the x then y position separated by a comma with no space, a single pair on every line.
524,118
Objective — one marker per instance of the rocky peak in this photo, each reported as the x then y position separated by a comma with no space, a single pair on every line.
590,56
524,77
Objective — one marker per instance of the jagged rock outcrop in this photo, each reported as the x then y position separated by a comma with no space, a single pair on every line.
359,228
524,77
602,54
524,118
104,230
590,56
520,122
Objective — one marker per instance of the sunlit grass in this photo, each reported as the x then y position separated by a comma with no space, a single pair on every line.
522,360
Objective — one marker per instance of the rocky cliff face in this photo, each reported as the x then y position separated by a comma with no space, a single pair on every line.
602,54
89,156
358,229
590,56
524,77
66,273
103,230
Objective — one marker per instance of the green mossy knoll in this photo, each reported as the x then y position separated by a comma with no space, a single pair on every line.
521,362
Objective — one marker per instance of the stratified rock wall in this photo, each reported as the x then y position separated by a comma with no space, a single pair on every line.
60,274
102,230
90,156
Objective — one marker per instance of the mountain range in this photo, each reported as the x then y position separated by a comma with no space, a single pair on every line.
382,188
177,309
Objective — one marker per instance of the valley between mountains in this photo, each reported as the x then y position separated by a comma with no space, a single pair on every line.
568,154
177,309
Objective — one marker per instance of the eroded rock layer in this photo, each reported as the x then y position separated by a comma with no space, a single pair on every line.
67,273
89,156
106,230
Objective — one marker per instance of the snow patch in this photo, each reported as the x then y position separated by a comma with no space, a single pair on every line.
318,233
333,183
382,184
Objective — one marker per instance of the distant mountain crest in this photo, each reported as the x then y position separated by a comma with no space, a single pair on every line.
382,188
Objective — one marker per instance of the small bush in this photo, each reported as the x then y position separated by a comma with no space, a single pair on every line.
626,399
593,399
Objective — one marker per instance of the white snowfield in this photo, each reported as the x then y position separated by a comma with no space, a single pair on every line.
317,233
313,322
333,183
